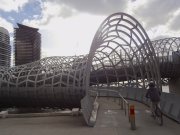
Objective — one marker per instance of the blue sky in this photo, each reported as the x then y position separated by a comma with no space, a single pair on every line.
67,27
26,12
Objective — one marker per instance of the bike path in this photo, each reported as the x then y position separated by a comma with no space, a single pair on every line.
110,115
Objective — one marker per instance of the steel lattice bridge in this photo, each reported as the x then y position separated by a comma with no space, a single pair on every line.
121,55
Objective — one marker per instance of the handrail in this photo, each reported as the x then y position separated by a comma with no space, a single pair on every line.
95,93
124,102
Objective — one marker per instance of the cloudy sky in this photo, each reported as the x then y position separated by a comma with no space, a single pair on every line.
67,27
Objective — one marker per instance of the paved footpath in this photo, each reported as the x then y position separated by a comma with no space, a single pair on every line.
111,121
110,116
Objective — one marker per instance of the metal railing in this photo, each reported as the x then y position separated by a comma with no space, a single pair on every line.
122,101
91,92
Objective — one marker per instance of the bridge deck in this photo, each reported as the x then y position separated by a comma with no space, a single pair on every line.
111,116
111,121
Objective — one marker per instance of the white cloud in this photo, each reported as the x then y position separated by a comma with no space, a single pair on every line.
68,27
158,32
73,35
50,10
67,31
174,24
7,25
159,18
98,7
12,5
156,12
64,36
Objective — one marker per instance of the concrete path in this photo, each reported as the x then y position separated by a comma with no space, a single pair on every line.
111,116
111,121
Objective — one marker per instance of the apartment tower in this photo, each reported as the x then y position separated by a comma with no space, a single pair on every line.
5,48
27,44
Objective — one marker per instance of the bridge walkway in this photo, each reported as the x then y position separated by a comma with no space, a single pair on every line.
111,120
110,115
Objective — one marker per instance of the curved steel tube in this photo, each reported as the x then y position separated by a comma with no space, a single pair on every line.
52,81
167,51
121,55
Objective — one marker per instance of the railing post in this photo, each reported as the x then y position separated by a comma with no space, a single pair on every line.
132,117
122,104
125,108
128,112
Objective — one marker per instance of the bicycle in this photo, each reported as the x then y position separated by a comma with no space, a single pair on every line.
158,115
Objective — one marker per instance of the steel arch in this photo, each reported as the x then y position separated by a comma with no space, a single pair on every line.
122,52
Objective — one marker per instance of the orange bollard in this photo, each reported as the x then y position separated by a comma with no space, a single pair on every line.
132,117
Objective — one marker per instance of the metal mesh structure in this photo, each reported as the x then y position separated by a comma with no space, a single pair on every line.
168,52
53,81
122,54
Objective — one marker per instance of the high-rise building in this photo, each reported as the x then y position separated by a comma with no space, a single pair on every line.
27,44
5,48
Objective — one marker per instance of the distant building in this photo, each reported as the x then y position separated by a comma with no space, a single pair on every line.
5,48
27,44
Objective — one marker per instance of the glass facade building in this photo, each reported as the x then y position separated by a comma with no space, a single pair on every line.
27,44
5,48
